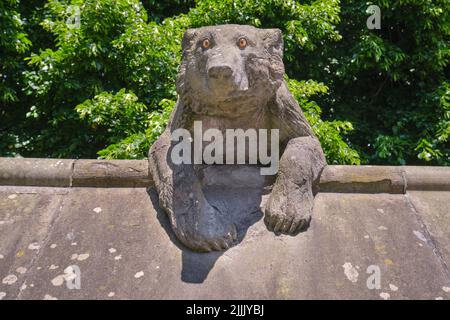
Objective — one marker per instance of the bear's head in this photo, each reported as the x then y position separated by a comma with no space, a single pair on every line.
230,68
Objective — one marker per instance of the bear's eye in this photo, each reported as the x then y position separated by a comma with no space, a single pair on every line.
206,44
242,43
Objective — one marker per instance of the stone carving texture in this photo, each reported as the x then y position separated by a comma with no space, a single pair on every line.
231,76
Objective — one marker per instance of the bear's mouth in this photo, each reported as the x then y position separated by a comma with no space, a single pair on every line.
232,87
229,94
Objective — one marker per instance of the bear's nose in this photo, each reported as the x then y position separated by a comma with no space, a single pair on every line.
220,72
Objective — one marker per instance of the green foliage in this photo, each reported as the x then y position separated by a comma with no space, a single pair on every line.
13,44
329,133
135,145
106,86
158,10
120,113
84,63
392,83
434,145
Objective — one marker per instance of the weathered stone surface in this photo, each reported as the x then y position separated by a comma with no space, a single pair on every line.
363,179
427,178
134,173
32,172
101,173
125,249
27,216
433,210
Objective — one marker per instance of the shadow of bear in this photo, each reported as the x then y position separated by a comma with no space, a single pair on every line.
235,190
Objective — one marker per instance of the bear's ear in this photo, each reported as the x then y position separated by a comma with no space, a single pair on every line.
188,36
273,41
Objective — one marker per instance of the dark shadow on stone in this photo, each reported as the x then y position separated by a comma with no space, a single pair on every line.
195,266
241,202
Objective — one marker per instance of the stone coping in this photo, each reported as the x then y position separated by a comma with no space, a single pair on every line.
134,174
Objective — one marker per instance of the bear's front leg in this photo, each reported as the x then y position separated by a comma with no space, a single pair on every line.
196,223
290,204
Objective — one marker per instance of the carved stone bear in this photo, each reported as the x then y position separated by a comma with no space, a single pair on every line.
231,76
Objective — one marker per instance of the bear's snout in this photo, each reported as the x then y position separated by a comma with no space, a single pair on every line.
224,80
220,72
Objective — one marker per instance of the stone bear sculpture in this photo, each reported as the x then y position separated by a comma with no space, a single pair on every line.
231,76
